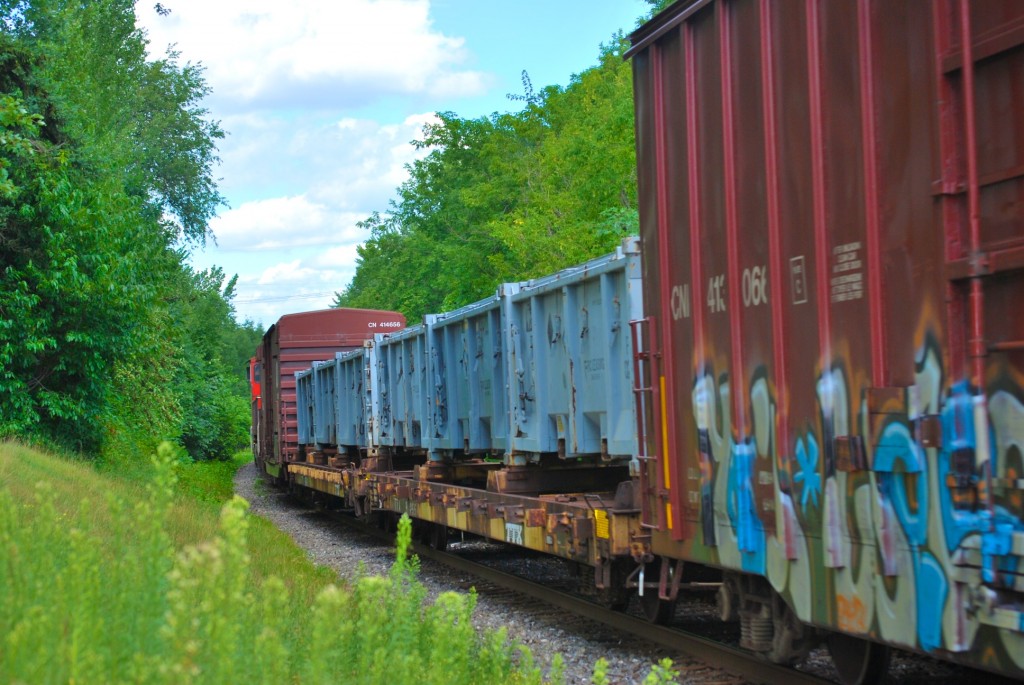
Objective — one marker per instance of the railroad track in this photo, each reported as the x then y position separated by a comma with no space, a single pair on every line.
709,652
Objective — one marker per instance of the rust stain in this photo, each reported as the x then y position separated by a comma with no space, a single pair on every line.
852,614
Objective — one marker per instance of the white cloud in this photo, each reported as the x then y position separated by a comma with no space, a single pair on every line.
288,272
312,53
284,222
350,164
315,273
338,174
307,282
343,256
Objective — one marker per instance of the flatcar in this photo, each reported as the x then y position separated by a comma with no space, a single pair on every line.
510,418
832,229
294,342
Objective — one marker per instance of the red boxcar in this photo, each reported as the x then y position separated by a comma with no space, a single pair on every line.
832,223
293,344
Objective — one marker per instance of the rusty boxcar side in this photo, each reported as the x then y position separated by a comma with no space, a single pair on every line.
832,225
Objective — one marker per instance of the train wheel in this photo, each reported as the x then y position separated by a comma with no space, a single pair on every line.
858,661
437,537
388,521
359,508
655,609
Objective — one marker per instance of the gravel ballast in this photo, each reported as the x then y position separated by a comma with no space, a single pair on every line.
544,630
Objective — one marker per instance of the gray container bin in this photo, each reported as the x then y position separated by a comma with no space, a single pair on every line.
467,371
324,390
351,399
400,380
571,359
304,406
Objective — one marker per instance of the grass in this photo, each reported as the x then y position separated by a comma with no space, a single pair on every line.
120,579
117,576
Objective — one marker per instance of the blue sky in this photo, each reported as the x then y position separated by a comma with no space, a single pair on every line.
321,99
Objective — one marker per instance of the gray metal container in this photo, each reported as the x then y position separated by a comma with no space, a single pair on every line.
304,406
571,356
352,395
468,370
401,389
324,390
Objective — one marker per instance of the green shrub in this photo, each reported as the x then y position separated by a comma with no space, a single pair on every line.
103,591
99,593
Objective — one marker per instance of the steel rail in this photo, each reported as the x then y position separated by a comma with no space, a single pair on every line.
736,661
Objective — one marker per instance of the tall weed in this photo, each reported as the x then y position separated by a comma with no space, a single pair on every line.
100,593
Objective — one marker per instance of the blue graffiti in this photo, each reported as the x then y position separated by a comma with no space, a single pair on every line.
932,588
897,451
958,437
808,473
996,527
742,509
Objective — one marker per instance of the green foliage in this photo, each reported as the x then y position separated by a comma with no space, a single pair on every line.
69,297
210,481
658,5
109,343
216,412
506,197
662,673
140,116
100,592
72,609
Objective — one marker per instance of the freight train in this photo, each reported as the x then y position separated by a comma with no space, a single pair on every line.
805,380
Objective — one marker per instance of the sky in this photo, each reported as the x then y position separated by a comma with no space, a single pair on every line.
321,99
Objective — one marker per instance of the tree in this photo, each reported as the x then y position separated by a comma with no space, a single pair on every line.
122,109
506,197
215,407
105,166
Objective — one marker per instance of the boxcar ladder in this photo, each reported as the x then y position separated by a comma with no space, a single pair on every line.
647,393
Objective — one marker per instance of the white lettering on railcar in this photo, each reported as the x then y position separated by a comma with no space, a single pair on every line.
755,286
798,279
681,301
847,272
716,293
514,533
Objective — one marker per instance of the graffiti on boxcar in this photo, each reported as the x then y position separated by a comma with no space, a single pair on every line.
713,417
891,539
737,531
808,476
878,529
